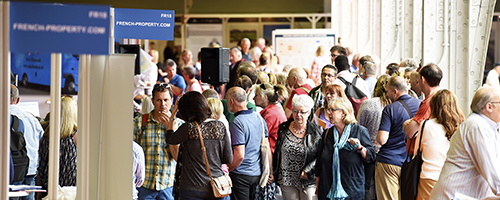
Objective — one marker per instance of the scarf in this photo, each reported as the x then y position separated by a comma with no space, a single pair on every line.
337,191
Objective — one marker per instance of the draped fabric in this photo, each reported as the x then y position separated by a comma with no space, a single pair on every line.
337,191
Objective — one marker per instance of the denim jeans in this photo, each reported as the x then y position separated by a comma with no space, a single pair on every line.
148,194
195,195
28,180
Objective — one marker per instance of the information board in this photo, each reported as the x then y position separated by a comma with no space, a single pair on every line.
298,46
59,28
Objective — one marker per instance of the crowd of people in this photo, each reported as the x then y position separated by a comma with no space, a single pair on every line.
336,130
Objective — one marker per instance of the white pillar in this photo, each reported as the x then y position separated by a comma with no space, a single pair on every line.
4,100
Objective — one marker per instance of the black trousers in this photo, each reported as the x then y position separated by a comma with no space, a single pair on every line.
243,186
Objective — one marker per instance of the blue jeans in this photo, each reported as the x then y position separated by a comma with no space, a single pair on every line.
195,195
148,194
28,180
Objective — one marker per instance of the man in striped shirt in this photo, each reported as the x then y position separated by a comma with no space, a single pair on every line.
159,156
471,167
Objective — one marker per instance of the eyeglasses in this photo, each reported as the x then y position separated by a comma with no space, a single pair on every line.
327,75
297,112
334,55
332,109
492,102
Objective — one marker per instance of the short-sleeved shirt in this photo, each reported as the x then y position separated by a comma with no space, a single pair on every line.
298,91
229,115
160,166
424,111
177,81
246,129
393,116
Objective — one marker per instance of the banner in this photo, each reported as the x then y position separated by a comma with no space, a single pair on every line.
59,28
144,24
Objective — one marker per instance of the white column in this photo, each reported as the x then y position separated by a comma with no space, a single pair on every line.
55,124
4,100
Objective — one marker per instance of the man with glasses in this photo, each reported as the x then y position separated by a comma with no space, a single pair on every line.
336,51
149,133
328,76
391,136
471,167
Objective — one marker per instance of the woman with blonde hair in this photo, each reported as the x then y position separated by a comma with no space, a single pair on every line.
343,150
67,150
369,116
444,120
319,61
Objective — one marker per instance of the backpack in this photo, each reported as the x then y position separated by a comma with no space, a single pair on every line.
19,152
354,94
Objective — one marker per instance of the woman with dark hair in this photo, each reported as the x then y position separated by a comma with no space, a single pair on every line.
444,120
343,150
321,117
191,176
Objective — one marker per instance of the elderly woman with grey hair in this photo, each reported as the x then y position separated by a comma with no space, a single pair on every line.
294,158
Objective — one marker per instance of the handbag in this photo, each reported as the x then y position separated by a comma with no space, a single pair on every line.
221,186
410,172
264,159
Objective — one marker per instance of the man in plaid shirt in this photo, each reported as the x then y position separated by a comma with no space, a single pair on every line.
159,157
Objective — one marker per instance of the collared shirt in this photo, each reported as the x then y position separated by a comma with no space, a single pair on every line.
318,99
160,165
138,166
246,129
33,132
471,165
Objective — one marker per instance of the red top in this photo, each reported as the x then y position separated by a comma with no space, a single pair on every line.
424,111
299,90
274,116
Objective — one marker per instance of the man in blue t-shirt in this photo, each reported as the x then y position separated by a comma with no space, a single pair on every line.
176,81
246,136
392,138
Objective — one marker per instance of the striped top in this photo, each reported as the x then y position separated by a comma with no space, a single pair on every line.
472,164
160,165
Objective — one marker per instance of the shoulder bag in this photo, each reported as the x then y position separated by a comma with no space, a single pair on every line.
410,172
264,158
221,186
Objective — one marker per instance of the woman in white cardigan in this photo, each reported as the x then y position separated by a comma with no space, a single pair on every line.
444,119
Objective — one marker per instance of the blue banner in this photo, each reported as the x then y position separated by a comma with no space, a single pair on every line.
144,24
59,28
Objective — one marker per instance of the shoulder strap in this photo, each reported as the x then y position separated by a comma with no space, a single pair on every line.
406,107
342,79
15,123
204,152
354,80
143,128
305,89
421,135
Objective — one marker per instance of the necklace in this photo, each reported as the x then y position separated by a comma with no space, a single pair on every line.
297,132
